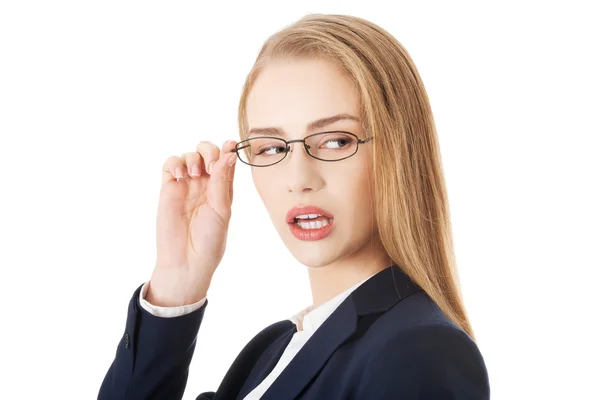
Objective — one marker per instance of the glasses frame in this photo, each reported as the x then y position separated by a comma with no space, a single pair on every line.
241,146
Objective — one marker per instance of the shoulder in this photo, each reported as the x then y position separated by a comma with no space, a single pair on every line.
423,358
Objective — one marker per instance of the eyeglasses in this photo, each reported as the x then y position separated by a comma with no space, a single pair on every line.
265,151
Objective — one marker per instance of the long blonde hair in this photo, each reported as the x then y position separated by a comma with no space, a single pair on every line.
411,203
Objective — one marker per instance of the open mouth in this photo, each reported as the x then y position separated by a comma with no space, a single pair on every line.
309,222
312,221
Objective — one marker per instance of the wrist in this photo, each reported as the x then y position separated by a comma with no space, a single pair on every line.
174,289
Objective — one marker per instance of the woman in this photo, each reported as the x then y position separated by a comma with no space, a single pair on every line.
337,128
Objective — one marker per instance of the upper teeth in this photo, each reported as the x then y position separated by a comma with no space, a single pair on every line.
307,216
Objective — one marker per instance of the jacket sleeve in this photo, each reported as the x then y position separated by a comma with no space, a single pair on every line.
153,355
431,362
167,312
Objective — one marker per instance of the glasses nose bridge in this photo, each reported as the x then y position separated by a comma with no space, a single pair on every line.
303,141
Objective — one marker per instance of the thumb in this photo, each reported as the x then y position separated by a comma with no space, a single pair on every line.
220,186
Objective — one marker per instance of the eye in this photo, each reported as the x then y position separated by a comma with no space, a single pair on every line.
271,150
337,141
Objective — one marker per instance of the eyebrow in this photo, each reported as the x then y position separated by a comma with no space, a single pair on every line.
317,124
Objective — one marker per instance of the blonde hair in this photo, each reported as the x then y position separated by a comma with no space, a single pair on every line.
411,203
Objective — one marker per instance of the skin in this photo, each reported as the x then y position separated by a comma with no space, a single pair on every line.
289,94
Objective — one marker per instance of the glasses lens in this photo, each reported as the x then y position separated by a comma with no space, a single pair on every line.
332,146
262,151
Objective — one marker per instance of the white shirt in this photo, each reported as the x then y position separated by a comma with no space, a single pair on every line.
307,322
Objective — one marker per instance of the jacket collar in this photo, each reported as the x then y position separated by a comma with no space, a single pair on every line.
378,294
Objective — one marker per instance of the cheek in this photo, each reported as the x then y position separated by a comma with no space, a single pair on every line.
266,189
260,185
355,192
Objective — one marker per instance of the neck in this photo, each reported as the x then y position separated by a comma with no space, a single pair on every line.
328,281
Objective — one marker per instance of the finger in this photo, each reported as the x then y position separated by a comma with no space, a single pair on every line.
192,163
173,168
220,187
208,153
231,175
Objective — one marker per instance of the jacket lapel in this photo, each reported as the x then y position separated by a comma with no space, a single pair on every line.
377,294
267,361
314,354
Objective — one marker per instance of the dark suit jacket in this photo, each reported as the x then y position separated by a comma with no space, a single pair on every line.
387,340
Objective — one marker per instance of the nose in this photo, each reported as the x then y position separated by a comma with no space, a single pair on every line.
303,172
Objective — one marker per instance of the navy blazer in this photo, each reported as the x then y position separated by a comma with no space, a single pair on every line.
387,340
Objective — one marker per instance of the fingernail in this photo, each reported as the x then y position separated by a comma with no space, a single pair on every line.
210,166
232,159
195,170
178,173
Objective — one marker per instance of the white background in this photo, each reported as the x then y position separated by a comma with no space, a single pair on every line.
94,96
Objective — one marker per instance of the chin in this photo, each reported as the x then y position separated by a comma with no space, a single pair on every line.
312,262
312,255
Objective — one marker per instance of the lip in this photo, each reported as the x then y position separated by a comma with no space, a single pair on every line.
311,234
295,211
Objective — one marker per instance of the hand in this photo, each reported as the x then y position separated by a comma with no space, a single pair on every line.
192,222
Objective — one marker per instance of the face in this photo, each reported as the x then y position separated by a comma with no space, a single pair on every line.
289,95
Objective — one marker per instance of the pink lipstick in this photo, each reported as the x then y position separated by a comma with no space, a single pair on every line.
309,222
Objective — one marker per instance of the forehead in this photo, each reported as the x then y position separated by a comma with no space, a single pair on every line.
291,93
